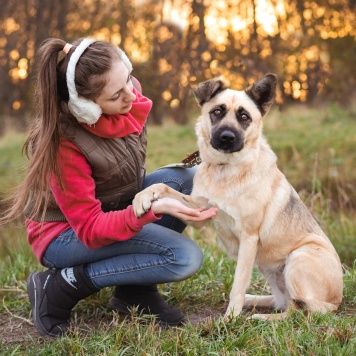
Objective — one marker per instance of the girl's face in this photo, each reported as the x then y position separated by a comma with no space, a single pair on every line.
117,95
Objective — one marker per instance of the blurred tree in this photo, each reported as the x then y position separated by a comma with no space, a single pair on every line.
160,75
13,59
193,61
126,9
178,58
25,24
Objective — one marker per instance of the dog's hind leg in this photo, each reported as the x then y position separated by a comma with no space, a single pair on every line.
313,278
276,281
264,301
278,298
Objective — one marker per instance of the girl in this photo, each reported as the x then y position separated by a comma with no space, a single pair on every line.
87,150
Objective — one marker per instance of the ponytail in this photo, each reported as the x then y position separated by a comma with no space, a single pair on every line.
41,146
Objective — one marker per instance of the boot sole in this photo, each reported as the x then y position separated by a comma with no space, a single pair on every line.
125,308
33,290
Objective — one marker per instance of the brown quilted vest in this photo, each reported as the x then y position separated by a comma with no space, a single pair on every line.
118,168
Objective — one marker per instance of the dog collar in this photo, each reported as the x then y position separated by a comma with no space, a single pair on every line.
192,159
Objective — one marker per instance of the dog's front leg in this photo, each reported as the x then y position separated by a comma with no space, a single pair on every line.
245,261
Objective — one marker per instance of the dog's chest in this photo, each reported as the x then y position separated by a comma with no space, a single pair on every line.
235,201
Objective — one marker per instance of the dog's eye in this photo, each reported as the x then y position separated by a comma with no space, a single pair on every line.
217,112
244,117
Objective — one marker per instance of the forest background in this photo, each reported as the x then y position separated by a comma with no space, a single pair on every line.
175,44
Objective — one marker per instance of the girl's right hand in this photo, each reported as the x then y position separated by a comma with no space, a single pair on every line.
177,209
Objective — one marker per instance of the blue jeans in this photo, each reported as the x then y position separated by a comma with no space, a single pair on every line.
159,253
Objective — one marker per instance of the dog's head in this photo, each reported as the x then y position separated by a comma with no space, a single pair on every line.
232,119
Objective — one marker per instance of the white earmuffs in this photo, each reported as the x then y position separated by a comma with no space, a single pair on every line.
125,59
85,110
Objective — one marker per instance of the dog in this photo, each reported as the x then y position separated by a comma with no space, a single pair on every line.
261,220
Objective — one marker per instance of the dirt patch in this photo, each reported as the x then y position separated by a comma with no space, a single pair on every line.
16,330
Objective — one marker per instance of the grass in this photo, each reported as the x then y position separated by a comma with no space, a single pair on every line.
99,332
316,152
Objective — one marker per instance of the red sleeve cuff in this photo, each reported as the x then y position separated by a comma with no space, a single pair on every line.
149,217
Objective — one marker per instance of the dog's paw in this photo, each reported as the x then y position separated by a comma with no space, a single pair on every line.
259,317
143,201
269,317
232,311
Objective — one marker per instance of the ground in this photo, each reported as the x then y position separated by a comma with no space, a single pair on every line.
15,329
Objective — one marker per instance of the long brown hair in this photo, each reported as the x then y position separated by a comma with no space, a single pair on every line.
51,107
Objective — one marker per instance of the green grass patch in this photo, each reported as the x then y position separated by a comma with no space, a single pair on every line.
11,162
98,331
315,149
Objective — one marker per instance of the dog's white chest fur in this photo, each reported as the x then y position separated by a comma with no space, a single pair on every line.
243,204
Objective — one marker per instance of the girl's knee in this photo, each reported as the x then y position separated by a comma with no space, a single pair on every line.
190,261
197,257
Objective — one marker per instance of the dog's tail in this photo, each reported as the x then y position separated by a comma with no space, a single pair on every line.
313,305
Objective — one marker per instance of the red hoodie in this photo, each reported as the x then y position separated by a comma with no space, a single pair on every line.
77,201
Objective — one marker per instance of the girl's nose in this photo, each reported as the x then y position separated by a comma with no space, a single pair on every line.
129,95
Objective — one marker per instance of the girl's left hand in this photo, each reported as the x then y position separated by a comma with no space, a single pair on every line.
177,209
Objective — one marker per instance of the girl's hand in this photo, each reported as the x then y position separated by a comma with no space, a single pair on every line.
177,209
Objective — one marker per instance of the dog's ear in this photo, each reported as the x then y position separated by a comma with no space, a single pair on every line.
208,89
263,92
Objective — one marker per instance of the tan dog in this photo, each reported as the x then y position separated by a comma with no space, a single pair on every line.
261,219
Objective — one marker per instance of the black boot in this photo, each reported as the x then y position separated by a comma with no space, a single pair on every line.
53,294
147,300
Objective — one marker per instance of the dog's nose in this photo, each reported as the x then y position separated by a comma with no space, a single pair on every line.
227,136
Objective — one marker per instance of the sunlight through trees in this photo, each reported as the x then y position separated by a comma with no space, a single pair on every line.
175,44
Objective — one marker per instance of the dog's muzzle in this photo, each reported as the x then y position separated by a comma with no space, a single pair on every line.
227,140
